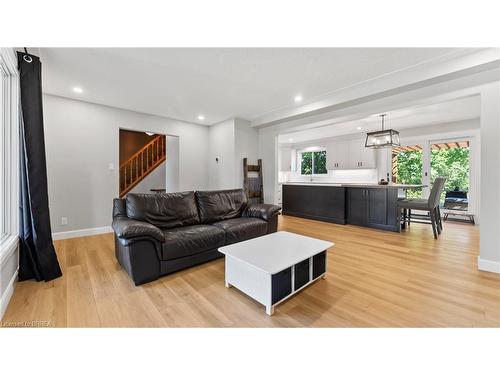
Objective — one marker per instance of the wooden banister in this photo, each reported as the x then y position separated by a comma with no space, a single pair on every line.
154,140
142,163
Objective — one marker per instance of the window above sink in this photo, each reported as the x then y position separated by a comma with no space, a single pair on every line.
312,162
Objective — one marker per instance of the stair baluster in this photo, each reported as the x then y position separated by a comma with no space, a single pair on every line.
148,158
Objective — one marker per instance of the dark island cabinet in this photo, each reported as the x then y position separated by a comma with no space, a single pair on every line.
356,206
374,208
326,203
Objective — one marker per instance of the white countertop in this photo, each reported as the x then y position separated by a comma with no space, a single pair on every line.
312,183
356,184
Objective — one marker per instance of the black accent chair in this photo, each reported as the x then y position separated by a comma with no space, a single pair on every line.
431,205
158,234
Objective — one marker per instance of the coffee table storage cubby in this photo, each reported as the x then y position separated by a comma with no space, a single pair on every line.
274,267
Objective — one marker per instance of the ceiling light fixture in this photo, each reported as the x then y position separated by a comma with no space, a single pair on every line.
382,138
290,139
358,128
201,117
298,98
149,133
78,90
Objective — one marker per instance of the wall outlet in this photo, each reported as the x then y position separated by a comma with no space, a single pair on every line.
64,220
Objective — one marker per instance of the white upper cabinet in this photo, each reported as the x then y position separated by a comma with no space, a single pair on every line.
350,155
337,155
361,157
285,158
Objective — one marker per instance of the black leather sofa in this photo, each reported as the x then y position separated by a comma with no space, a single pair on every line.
157,234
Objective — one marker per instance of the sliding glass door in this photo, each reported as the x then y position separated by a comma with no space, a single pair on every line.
451,159
420,162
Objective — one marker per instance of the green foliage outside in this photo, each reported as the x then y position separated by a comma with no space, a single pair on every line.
306,163
410,171
320,162
452,163
315,159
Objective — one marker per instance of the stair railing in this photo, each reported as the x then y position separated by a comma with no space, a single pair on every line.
142,163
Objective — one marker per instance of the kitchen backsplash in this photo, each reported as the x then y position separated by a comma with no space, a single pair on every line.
335,176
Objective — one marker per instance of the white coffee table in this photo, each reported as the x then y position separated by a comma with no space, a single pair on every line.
273,267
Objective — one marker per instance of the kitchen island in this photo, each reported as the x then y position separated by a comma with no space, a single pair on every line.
369,205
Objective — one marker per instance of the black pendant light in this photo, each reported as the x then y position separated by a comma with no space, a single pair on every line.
382,138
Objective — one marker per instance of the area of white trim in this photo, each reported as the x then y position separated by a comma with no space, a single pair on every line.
9,140
9,291
7,247
81,233
488,265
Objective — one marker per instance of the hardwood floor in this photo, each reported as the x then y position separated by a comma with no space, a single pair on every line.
375,279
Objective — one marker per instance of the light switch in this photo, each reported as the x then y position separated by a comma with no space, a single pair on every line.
111,167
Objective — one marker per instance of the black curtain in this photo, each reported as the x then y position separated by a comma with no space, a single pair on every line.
37,257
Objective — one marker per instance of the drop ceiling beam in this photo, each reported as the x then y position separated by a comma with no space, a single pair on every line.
420,77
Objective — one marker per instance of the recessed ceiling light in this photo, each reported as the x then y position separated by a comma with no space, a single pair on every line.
78,90
358,128
290,139
201,117
298,98
149,133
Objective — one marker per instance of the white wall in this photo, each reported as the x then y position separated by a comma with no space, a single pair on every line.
172,161
268,152
489,259
231,141
82,140
155,180
246,146
221,145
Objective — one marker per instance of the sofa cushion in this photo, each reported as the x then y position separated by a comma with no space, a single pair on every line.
242,228
169,210
220,205
184,241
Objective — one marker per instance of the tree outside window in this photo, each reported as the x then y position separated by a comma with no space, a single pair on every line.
313,162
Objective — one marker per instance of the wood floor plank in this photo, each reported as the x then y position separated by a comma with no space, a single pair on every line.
80,305
374,279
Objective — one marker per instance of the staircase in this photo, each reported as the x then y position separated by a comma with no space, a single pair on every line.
142,163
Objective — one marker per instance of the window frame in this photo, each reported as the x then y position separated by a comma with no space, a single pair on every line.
9,152
312,150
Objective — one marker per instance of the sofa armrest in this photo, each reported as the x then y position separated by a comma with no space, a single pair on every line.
126,228
261,211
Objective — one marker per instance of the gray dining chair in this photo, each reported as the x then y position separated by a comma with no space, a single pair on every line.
431,205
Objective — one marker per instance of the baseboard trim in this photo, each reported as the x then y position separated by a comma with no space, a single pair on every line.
488,265
81,233
9,291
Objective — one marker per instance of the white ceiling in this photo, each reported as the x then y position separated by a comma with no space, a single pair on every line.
439,113
219,83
